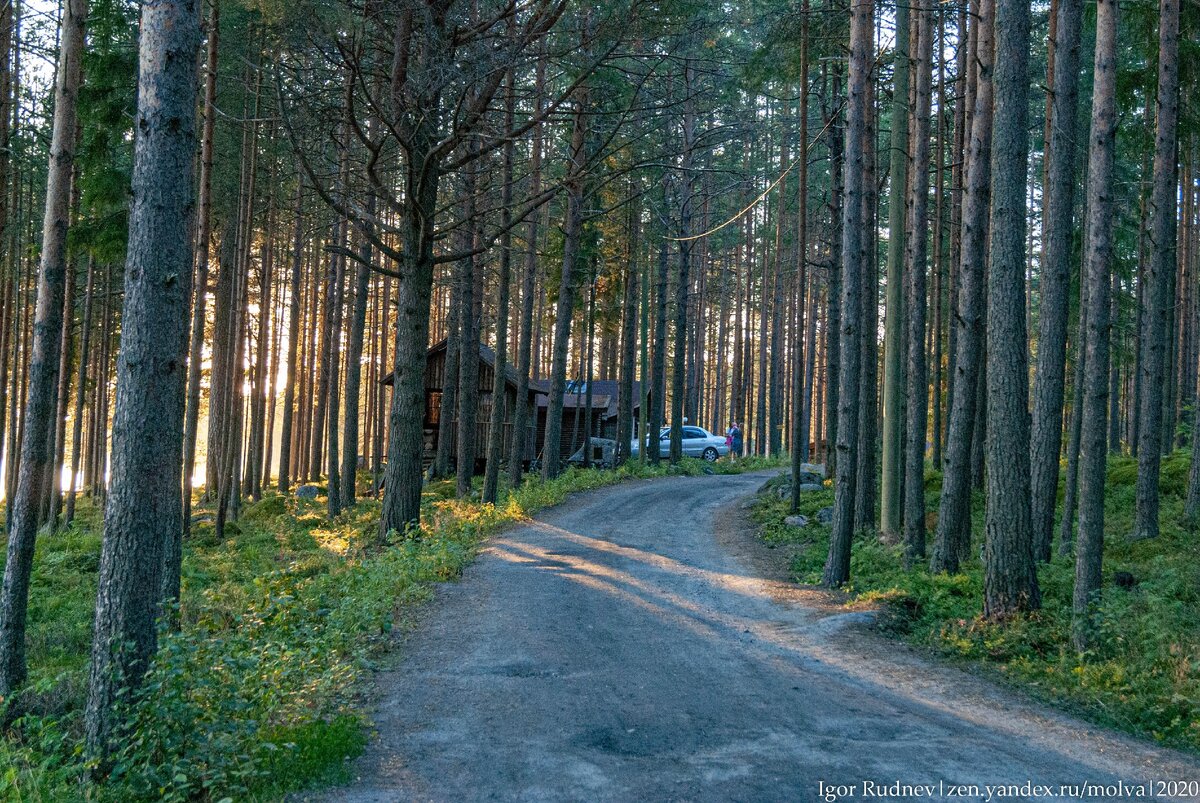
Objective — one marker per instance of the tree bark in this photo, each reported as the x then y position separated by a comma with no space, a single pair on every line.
144,500
802,358
658,358
1010,583
837,564
865,487
287,439
521,417
448,415
629,320
833,293
953,536
200,285
495,444
917,384
402,476
1159,274
683,280
1089,548
572,232
470,282
36,444
358,323
890,491
85,334
1048,382
333,466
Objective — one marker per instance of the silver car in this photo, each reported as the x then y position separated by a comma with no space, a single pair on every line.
697,442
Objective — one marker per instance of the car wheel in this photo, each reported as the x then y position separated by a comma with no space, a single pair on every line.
710,454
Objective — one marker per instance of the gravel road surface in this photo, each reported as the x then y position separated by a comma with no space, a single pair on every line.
638,644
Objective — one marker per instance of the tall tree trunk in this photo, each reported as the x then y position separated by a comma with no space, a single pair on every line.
495,444
448,416
350,439
470,311
837,565
1160,272
683,281
200,285
66,356
802,367
258,406
940,249
890,492
833,294
953,538
1059,203
323,370
1089,550
865,487
144,500
85,334
775,421
917,388
1010,583
628,360
272,385
521,416
1071,481
333,465
288,443
658,359
9,314
402,477
572,232
36,445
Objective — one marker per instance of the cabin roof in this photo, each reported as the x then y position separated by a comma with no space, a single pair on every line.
487,355
605,395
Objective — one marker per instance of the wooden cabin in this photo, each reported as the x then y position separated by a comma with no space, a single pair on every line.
435,375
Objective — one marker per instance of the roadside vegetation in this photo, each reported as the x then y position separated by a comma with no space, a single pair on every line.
1141,676
261,691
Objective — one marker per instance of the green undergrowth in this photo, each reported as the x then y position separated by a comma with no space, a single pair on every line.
1143,676
260,692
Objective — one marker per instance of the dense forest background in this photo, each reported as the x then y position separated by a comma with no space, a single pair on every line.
956,241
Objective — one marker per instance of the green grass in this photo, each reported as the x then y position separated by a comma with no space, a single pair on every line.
261,691
1143,676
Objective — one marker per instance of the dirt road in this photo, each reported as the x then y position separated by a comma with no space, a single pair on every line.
635,644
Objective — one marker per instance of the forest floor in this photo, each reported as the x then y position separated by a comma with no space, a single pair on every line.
641,642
